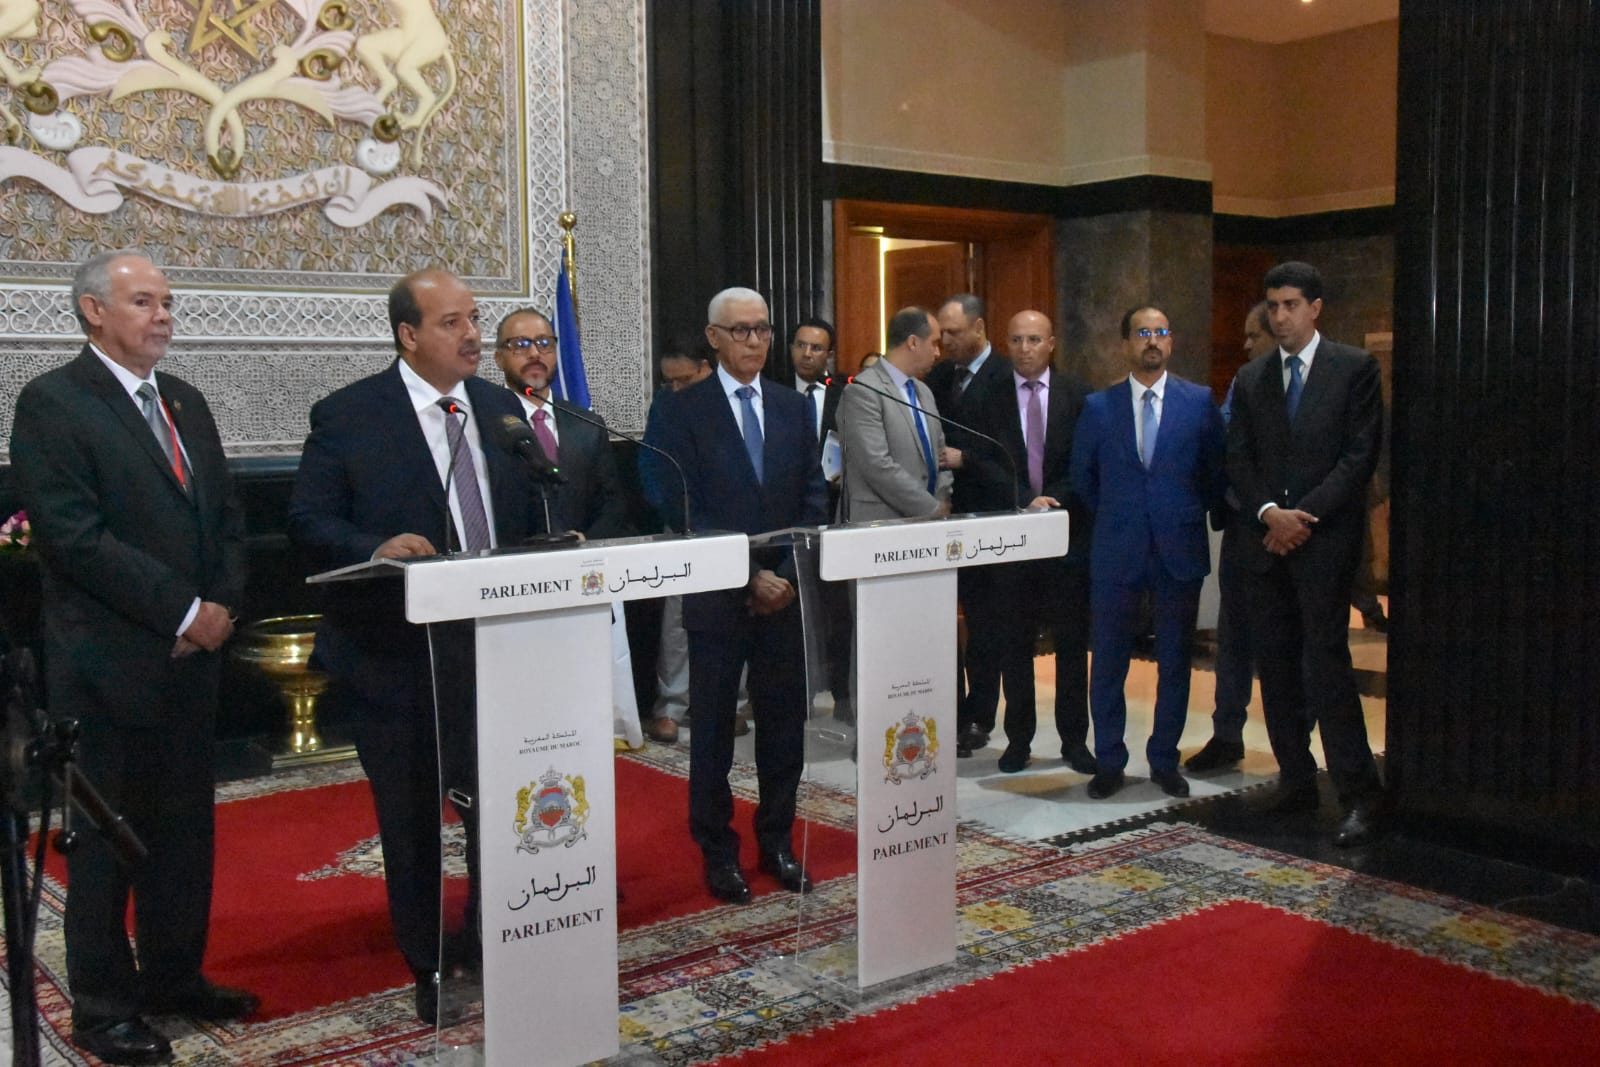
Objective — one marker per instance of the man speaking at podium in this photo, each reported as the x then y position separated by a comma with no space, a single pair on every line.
748,447
397,467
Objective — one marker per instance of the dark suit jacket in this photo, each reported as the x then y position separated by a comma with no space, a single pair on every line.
125,550
972,491
591,502
366,475
697,428
998,417
1320,465
1164,506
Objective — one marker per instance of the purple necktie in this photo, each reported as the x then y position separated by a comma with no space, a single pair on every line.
541,430
1035,439
474,518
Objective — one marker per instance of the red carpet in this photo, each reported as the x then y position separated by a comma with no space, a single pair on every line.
1239,983
301,942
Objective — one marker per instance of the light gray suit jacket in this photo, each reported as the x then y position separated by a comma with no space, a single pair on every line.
885,472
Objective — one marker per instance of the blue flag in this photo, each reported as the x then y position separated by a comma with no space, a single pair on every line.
571,384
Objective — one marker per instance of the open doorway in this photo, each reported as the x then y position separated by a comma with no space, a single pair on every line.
888,256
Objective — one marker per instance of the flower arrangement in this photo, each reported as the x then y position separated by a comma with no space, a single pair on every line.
15,533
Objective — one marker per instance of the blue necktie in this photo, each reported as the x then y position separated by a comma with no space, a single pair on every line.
752,428
811,401
922,435
1147,423
1291,398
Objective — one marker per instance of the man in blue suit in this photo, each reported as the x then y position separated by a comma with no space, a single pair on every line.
398,466
748,447
1147,462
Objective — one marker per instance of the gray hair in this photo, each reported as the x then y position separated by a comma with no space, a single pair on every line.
93,278
729,296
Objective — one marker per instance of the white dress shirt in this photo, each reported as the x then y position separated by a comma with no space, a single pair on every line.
730,385
425,403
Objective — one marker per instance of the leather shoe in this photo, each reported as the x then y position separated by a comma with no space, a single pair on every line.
1080,759
1013,759
1105,783
1171,782
1217,755
427,999
972,738
126,1041
662,729
1288,798
787,870
205,1001
726,883
1359,826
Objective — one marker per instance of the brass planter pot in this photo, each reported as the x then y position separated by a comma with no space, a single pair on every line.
280,648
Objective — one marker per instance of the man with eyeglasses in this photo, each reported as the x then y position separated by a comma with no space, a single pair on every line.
1147,463
591,503
748,446
395,467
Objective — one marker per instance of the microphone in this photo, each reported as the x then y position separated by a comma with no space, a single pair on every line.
581,416
514,435
1016,494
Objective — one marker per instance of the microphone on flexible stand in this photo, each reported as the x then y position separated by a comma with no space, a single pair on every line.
529,392
1015,493
512,433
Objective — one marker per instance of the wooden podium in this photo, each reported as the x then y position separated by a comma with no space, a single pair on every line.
546,781
905,699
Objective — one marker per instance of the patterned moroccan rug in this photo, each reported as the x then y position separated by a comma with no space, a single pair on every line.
1160,944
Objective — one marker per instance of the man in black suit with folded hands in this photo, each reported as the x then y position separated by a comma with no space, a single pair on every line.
1035,418
1303,442
122,473
396,467
748,447
961,382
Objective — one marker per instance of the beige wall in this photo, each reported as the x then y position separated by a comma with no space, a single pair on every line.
1073,91
1017,90
1303,127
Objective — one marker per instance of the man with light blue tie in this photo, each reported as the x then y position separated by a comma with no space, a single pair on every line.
891,470
1147,462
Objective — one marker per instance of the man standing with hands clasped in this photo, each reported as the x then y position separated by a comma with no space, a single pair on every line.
123,476
1303,442
748,447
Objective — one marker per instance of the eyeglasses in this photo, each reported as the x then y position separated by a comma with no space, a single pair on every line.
741,332
807,346
522,344
1148,333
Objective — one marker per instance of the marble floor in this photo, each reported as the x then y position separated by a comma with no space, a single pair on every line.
1048,799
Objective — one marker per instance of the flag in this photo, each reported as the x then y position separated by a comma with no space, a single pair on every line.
571,384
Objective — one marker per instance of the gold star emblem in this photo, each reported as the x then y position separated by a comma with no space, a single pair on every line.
228,19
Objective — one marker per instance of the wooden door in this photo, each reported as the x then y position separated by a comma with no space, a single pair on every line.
1013,254
923,276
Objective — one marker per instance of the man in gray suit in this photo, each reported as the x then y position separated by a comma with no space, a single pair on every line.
890,449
